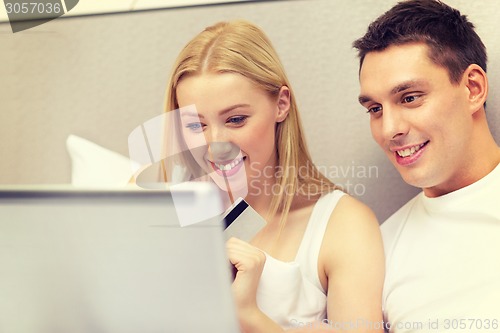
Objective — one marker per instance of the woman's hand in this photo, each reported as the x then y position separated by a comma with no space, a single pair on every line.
249,262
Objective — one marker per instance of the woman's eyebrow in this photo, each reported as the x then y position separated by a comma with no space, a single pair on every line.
191,114
232,107
188,113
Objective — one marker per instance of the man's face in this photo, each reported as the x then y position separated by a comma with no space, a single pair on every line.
418,117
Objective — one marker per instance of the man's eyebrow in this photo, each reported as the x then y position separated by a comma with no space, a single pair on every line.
364,99
410,84
407,85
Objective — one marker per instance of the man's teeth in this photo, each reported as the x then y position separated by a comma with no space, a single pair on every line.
409,151
227,167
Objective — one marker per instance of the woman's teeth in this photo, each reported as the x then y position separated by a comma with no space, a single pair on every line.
227,167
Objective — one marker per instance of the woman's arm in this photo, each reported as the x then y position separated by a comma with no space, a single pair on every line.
353,258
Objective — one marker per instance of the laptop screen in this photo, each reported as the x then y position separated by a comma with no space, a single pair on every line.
111,261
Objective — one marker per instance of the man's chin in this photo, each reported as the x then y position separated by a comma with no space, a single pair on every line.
412,180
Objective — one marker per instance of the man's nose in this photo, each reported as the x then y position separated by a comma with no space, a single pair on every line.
394,123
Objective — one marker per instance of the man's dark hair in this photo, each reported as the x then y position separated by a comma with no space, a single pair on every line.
452,41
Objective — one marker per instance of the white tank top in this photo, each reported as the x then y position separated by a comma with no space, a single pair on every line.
290,293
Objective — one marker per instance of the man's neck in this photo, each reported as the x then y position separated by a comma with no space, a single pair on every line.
484,159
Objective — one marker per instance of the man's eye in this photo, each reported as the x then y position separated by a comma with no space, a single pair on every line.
409,99
195,127
237,120
374,109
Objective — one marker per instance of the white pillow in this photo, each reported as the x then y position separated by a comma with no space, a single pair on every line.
96,166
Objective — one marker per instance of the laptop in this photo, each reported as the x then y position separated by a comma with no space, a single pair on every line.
102,261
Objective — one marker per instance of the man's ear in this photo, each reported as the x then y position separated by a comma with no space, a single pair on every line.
476,82
284,102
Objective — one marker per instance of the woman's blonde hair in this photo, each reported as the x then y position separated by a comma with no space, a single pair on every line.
243,48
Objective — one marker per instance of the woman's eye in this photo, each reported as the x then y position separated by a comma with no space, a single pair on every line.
195,127
237,120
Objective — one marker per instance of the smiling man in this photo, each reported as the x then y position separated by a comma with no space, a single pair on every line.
424,84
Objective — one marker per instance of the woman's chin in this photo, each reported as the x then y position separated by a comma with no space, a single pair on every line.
236,186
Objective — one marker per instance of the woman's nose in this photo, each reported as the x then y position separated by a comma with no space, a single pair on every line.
222,151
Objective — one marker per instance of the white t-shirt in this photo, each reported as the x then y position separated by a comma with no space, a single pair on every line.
443,261
290,293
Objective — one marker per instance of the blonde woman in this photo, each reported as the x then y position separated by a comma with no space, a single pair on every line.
319,259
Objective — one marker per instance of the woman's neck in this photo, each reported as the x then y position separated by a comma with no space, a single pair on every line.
261,202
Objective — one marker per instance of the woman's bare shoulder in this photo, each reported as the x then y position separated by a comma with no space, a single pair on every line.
352,230
352,213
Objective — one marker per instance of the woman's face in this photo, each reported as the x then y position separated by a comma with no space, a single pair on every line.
229,125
